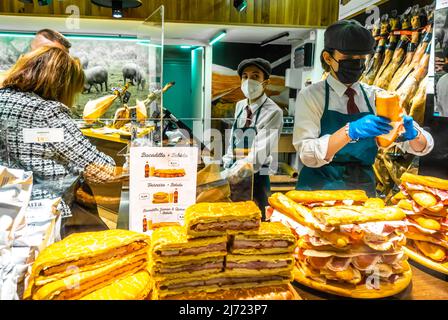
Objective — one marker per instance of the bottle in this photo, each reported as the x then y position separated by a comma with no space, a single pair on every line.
146,170
145,224
176,196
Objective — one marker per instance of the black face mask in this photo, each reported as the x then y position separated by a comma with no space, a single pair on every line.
445,67
350,70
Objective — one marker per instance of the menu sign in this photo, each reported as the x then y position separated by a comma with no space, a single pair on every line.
162,184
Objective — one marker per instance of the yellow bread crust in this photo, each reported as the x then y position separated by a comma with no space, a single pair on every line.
134,287
281,292
359,291
214,288
427,181
336,216
266,251
290,208
175,237
85,245
78,281
210,233
397,197
182,275
431,250
225,274
269,231
425,261
189,258
427,238
42,280
176,264
260,257
221,211
326,195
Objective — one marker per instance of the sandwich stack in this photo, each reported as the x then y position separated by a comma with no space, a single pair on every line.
348,250
425,202
223,251
109,264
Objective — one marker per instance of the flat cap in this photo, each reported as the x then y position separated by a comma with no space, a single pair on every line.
261,63
349,37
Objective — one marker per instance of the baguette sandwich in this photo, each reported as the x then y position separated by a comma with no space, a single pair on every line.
426,208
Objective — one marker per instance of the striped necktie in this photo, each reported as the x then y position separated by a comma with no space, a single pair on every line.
352,108
248,117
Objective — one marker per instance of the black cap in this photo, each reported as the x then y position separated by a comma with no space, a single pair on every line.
261,63
349,37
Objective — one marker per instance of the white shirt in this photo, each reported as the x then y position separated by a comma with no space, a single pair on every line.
309,110
442,96
269,127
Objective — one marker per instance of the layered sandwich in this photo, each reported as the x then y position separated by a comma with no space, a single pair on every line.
341,247
216,282
133,287
160,197
279,292
425,202
328,198
271,238
220,218
268,251
174,256
83,263
169,173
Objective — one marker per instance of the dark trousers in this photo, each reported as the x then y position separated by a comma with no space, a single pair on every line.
262,190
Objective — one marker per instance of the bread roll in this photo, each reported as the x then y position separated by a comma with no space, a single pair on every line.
388,106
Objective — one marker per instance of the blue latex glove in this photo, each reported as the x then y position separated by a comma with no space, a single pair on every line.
410,132
369,126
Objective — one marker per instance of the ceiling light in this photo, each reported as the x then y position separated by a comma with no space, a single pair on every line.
117,5
185,47
272,39
217,37
240,5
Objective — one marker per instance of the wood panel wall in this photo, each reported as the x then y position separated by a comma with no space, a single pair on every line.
258,12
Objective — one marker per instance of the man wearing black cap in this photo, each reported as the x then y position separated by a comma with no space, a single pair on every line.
256,129
335,122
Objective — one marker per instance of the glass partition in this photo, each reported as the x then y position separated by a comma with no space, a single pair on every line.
84,154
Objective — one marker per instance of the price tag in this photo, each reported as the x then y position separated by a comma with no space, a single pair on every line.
43,135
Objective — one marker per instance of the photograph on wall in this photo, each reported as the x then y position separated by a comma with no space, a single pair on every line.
107,64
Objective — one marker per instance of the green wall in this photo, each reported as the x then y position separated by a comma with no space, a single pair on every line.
177,67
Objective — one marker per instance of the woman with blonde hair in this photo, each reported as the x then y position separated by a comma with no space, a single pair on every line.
38,92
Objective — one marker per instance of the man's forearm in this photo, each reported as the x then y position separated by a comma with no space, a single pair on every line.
337,141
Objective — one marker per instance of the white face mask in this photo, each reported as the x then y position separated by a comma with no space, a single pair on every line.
251,88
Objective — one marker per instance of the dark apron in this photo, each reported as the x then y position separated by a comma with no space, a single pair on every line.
243,138
351,167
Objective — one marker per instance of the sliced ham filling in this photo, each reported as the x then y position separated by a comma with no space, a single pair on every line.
441,194
221,282
257,265
192,268
251,244
360,262
118,252
215,247
332,203
227,225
